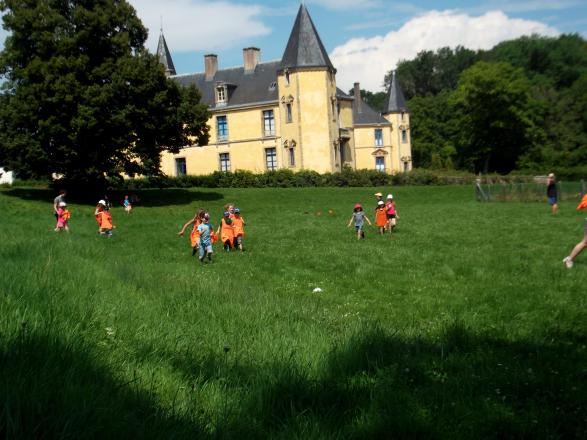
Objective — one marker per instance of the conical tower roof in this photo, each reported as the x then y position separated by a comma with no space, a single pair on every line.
395,101
304,47
164,55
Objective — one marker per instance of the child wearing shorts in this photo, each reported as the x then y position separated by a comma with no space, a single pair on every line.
205,244
359,218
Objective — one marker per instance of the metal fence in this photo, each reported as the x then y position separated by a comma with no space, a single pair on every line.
528,191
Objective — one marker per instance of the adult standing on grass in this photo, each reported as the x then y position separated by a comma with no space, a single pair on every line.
552,193
569,261
57,201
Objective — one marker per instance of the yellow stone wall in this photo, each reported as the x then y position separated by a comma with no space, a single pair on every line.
314,125
365,147
246,144
402,151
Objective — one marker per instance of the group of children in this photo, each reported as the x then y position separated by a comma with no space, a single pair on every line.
385,216
231,230
101,213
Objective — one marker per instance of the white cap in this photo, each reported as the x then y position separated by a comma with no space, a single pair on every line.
102,202
62,204
380,202
389,196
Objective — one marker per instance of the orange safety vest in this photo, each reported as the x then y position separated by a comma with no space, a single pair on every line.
105,220
381,217
239,226
583,203
66,215
226,232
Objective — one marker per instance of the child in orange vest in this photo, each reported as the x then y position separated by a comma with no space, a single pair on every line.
226,231
381,216
104,219
194,235
239,228
579,247
63,216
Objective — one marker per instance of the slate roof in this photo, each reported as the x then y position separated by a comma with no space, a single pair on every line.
245,88
164,55
395,101
366,115
304,47
342,95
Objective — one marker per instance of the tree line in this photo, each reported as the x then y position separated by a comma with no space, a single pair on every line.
520,106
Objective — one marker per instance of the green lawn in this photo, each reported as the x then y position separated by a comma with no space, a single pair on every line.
463,324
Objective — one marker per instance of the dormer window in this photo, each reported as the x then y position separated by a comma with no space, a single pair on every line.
221,94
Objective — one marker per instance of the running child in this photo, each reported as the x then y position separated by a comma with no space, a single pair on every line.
104,219
391,213
127,205
239,229
194,235
63,216
226,231
579,247
359,218
381,216
205,242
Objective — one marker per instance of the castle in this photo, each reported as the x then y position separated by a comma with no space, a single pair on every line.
290,114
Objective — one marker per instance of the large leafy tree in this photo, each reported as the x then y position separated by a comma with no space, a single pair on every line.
81,96
496,116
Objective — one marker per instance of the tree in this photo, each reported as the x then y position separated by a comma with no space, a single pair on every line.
495,110
373,100
82,98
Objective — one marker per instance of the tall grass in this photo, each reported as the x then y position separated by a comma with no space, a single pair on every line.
462,324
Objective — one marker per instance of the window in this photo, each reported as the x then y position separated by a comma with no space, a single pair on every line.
268,123
288,113
378,137
292,157
287,78
220,94
180,166
222,128
271,158
403,116
225,162
404,136
380,163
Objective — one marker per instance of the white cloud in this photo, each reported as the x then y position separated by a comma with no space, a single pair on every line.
367,60
191,25
347,4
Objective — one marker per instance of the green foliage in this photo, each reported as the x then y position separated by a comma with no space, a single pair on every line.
549,133
461,325
374,100
496,117
82,98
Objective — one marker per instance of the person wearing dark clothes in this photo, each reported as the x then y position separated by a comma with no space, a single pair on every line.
552,193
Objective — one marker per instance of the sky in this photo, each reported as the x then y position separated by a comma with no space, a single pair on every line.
364,38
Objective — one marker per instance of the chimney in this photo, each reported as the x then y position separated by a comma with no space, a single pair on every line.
251,57
211,65
358,99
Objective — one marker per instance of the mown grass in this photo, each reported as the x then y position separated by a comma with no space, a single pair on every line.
463,324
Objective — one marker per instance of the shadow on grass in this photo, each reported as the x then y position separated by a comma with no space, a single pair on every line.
146,197
52,390
463,385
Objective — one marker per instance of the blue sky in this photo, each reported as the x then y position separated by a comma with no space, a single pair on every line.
365,38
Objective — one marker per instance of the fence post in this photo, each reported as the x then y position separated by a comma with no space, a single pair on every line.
583,188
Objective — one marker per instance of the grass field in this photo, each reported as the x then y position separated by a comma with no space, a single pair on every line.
463,324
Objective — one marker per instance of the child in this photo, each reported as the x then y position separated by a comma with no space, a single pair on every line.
205,234
194,235
569,261
127,205
226,231
359,217
391,213
239,229
105,221
380,216
63,216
